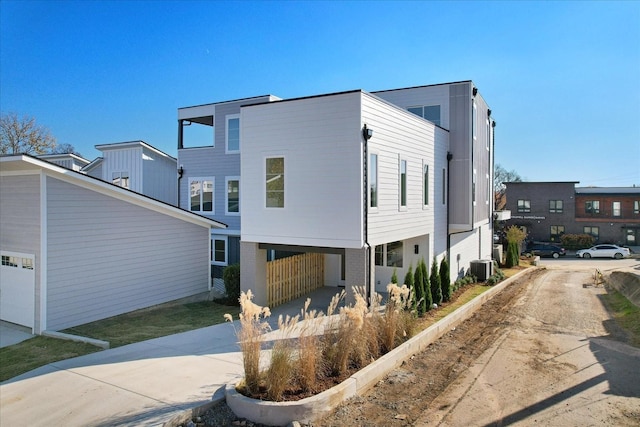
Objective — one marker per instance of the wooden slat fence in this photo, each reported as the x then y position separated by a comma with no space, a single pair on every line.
292,277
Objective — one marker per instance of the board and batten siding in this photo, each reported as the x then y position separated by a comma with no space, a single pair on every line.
159,176
320,139
124,160
399,135
20,223
107,256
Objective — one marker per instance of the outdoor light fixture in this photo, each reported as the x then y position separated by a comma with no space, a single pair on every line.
475,91
180,171
367,133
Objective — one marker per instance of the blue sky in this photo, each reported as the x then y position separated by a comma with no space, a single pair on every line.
562,78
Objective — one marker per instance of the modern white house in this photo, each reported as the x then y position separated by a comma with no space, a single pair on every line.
75,249
137,166
374,182
68,160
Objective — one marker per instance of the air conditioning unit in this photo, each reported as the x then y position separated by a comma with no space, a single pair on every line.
482,269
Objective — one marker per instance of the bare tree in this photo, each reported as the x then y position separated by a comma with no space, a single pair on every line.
22,135
65,149
500,176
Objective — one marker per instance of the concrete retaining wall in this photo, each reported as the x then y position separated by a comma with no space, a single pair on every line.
314,407
628,284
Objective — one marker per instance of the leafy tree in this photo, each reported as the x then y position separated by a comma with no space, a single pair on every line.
500,176
22,135
436,288
445,279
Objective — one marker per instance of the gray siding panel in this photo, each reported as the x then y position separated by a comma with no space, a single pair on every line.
108,257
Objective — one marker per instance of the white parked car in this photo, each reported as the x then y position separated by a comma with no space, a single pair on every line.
604,251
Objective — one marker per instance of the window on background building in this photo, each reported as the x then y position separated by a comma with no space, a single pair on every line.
373,181
233,134
9,261
592,231
556,232
394,254
592,206
616,209
233,195
275,182
524,205
636,207
201,194
219,250
403,183
428,112
121,179
379,255
555,206
425,184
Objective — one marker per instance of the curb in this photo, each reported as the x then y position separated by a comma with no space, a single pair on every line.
69,337
311,408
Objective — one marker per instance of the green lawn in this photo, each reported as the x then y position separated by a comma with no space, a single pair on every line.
625,313
120,330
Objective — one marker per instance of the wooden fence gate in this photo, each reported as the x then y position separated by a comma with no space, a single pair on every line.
292,277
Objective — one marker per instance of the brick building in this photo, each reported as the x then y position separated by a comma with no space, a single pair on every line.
547,210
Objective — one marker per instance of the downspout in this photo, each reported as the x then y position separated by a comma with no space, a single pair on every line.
366,134
180,146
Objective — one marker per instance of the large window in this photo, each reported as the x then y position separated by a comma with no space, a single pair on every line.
233,195
616,209
555,206
403,183
233,134
524,205
394,254
201,194
275,182
429,112
219,250
592,206
556,232
425,184
592,231
121,179
373,180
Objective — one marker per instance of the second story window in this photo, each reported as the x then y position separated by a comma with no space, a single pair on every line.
201,194
233,134
555,206
616,209
636,207
233,195
121,179
425,184
524,205
403,183
592,206
373,181
428,112
275,182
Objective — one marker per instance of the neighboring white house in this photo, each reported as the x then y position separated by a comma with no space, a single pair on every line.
68,160
76,249
314,179
139,167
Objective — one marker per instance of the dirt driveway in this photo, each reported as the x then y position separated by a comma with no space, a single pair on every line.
543,352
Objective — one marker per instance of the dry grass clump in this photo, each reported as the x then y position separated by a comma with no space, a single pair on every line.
353,337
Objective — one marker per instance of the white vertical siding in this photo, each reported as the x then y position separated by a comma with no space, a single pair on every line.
160,176
127,160
107,256
320,140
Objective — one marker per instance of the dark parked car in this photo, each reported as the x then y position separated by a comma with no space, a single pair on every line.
546,250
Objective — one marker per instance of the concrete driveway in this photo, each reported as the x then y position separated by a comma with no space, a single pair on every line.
142,384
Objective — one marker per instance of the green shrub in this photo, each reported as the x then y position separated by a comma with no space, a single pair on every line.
394,277
428,299
497,276
434,279
419,295
445,279
231,277
577,241
513,257
408,280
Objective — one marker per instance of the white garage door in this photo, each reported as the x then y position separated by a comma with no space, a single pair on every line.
17,288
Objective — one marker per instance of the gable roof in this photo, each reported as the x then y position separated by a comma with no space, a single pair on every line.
19,164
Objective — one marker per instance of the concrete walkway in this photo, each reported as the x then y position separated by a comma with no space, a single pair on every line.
142,384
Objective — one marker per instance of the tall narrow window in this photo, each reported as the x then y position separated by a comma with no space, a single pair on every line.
636,207
233,195
275,182
474,111
403,183
201,194
616,209
379,255
233,134
373,180
425,184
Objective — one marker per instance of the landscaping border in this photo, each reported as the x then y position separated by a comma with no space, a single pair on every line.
311,408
